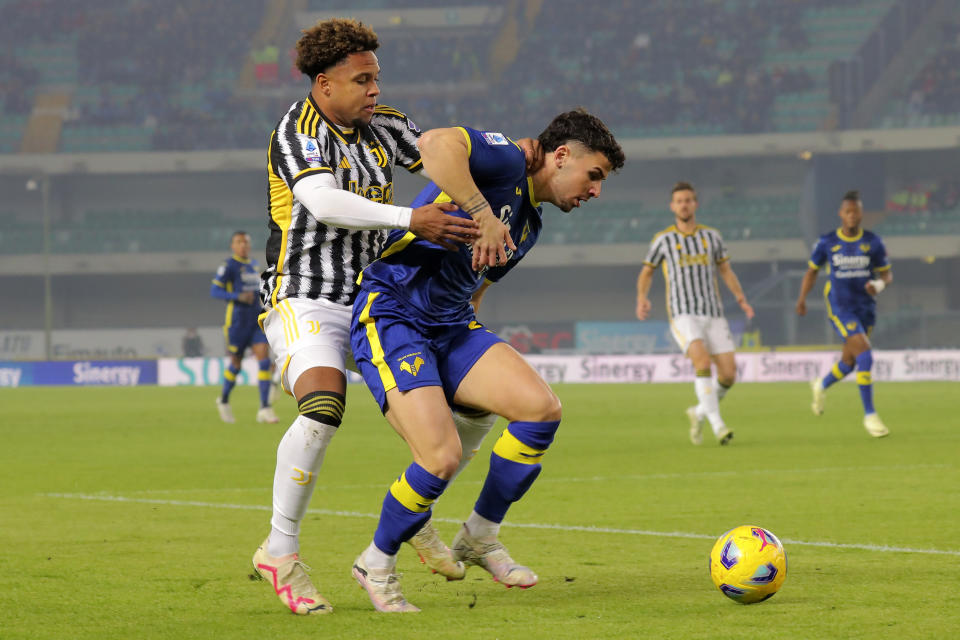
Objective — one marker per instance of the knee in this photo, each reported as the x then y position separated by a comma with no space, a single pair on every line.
727,380
443,462
547,408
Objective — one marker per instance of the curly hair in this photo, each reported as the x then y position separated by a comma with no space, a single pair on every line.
588,130
851,196
329,42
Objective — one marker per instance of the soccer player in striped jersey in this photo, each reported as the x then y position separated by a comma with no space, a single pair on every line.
237,281
330,174
857,271
420,348
692,256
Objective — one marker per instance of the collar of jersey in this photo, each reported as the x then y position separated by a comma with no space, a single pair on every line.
239,259
347,138
684,233
533,200
841,236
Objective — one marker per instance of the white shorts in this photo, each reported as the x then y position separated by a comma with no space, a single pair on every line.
715,333
306,333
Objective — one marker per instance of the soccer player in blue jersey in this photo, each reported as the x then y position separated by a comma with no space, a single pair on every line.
238,282
858,271
421,350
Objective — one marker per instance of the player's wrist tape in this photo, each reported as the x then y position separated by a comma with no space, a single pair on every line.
878,285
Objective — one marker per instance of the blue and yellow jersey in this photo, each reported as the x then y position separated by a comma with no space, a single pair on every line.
436,284
238,275
851,263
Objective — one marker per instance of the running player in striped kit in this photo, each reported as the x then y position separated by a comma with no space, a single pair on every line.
692,256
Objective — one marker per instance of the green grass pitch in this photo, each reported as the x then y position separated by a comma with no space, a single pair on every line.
133,513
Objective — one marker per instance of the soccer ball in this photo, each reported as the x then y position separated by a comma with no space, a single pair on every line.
748,564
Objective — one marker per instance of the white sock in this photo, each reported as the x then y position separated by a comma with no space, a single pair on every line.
472,431
299,458
721,391
377,559
481,528
709,402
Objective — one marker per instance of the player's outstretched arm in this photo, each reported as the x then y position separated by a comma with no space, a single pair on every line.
446,158
336,207
809,278
644,281
733,283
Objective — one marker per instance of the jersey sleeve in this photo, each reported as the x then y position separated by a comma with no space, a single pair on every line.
655,252
404,133
720,251
818,257
223,276
495,274
494,158
294,155
878,257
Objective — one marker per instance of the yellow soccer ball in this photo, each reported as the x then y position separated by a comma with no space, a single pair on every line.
748,564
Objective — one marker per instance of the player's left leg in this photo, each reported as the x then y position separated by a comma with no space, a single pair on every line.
858,344
502,382
719,344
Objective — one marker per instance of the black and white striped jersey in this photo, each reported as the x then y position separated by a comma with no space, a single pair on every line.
689,269
309,259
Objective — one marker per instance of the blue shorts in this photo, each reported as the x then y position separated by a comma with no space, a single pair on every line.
242,336
394,351
848,322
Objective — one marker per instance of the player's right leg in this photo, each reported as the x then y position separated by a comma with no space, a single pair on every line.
843,366
399,367
235,348
472,427
309,338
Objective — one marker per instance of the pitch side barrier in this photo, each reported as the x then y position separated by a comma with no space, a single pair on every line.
78,373
767,366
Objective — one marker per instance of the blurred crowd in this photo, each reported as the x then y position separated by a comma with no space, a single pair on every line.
172,68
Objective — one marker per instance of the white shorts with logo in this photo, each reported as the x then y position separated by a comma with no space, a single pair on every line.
305,333
715,333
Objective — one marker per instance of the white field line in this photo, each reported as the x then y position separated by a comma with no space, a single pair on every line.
518,525
565,479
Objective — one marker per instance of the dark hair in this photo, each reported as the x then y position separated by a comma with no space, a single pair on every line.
852,196
239,232
329,42
588,130
683,186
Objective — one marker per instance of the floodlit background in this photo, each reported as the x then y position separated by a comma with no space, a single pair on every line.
133,137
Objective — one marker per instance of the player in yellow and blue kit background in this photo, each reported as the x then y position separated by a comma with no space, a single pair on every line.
238,282
420,348
858,270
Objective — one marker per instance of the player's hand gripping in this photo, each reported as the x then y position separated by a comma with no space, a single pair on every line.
488,248
532,152
432,223
246,297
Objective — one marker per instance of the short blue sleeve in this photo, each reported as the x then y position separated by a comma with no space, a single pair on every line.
878,256
819,256
494,158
